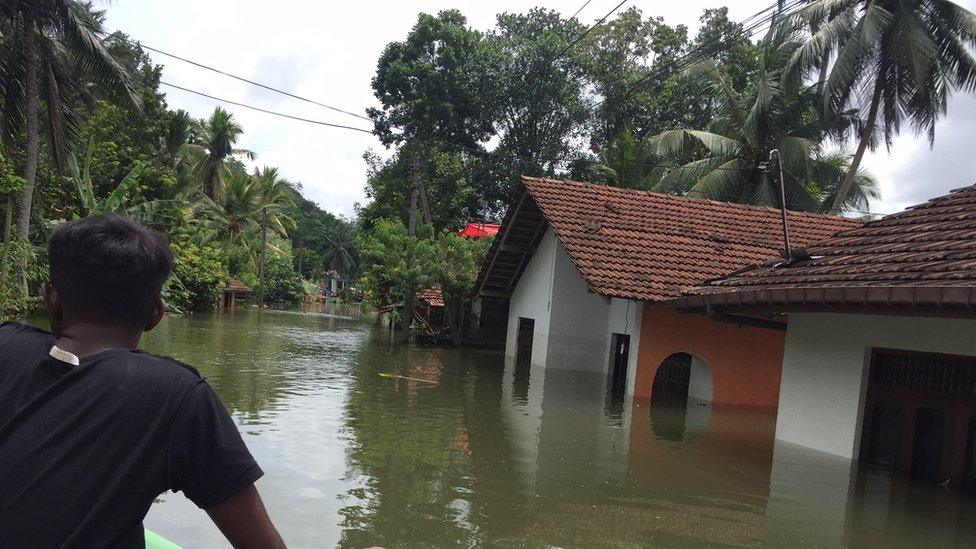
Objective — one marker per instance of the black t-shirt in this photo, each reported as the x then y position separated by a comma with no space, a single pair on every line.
84,450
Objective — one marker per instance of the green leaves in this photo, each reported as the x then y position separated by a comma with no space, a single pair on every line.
115,199
395,265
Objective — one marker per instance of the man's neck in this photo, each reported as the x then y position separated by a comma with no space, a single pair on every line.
88,339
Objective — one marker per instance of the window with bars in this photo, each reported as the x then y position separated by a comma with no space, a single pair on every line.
950,375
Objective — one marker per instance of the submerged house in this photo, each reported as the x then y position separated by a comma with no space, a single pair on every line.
581,273
880,350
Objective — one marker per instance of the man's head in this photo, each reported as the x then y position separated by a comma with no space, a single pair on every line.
107,270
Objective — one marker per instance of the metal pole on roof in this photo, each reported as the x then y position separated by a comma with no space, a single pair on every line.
782,203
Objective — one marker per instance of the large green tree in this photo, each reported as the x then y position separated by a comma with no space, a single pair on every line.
895,60
538,78
432,86
447,177
53,53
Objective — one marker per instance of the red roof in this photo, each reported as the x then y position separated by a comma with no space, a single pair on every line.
479,230
643,245
925,255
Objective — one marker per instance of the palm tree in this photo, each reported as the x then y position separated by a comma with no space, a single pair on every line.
53,52
895,59
234,211
340,254
630,162
277,196
832,169
772,113
174,146
214,150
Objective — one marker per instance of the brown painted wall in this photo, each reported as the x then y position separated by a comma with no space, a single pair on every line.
746,363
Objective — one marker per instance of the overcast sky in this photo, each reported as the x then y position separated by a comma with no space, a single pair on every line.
327,51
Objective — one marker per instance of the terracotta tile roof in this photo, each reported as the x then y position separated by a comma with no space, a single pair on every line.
652,247
931,245
433,296
234,285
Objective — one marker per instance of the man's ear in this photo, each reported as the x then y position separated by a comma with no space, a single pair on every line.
158,311
53,303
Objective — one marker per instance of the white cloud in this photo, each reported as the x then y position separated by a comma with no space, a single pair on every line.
327,51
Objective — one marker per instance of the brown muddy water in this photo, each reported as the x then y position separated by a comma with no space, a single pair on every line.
365,442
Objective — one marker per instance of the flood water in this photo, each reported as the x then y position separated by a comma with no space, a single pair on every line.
365,442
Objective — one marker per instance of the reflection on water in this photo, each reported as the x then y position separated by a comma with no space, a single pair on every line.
367,443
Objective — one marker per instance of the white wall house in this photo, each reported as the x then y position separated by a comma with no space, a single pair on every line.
825,367
573,327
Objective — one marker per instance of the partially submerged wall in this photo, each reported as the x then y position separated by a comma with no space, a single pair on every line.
744,362
531,299
578,325
825,369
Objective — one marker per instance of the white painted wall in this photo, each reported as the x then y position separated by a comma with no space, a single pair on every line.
573,325
700,384
825,366
531,299
625,318
578,324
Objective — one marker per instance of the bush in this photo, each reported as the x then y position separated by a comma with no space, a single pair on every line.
283,283
198,273
13,301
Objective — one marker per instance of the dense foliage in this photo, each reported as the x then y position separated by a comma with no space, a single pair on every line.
107,142
397,265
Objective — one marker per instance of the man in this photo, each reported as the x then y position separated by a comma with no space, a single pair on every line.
93,430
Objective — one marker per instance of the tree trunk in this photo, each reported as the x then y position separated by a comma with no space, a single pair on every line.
866,134
264,257
33,143
412,231
5,259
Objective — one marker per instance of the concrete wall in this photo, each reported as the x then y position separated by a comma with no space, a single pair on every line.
578,324
744,362
573,326
625,318
701,386
825,366
531,299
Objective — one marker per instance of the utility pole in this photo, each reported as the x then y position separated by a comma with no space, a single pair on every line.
412,231
782,199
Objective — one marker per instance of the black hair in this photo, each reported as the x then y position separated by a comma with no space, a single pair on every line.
109,268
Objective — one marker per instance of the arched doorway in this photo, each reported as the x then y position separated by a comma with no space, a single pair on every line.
680,397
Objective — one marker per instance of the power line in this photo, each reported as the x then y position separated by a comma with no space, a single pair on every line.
266,111
581,8
694,56
589,30
746,31
240,78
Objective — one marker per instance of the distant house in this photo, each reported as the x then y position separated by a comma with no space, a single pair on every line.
581,273
479,229
428,312
334,283
232,291
880,350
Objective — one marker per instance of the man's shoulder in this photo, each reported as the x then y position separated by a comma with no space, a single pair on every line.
15,330
177,366
12,327
154,369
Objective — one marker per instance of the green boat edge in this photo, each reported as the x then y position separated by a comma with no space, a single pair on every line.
155,541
